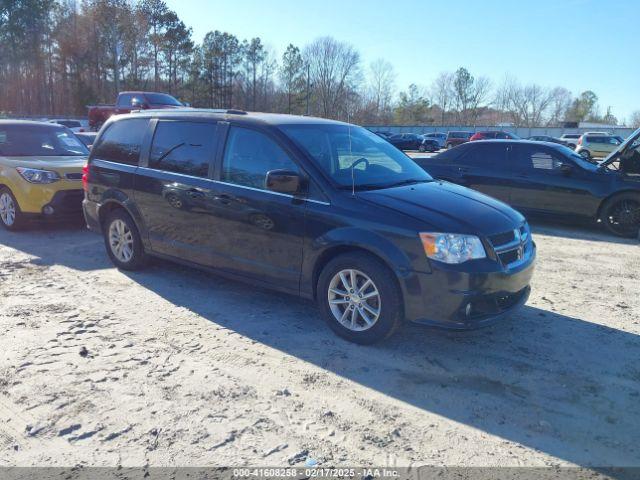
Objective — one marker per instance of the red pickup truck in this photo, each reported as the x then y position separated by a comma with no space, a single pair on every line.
128,101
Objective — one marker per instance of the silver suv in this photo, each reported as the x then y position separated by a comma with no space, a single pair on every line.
599,145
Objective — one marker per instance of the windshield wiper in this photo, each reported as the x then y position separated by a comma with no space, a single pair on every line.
410,181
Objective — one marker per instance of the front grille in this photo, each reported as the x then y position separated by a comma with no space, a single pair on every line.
73,176
501,238
512,246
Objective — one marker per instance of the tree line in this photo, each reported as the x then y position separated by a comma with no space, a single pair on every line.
59,56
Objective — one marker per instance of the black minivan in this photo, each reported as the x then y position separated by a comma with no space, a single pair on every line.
312,207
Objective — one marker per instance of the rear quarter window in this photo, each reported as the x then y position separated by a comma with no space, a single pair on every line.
122,141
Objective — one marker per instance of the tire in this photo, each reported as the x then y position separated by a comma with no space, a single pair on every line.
11,217
421,148
572,146
449,146
621,215
387,302
585,154
120,229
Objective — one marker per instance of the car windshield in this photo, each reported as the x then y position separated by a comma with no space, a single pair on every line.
162,99
39,141
353,155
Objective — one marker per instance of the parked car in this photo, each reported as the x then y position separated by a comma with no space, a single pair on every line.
40,172
457,138
428,145
571,139
544,178
490,135
87,138
384,135
128,101
73,125
596,145
439,137
547,138
405,141
345,218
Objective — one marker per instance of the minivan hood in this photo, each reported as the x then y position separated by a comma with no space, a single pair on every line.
448,208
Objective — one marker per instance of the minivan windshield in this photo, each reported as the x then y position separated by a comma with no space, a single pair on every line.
353,155
24,140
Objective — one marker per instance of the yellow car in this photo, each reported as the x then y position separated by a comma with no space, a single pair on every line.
40,172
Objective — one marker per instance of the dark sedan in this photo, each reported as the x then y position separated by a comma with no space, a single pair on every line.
406,141
547,138
550,179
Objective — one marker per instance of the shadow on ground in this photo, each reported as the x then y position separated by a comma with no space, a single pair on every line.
551,382
554,383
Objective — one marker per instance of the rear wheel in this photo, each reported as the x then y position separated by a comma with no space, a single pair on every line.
421,148
10,215
359,298
621,215
123,242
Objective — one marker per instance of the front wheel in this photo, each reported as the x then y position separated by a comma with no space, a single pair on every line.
621,215
123,242
585,154
359,298
421,148
10,215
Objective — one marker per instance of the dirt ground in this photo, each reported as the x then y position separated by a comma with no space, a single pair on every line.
176,367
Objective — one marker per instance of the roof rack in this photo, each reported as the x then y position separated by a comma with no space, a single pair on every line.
228,111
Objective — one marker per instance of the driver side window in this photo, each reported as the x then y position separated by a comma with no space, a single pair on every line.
249,155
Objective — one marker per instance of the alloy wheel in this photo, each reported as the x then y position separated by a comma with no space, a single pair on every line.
7,209
354,300
121,240
624,217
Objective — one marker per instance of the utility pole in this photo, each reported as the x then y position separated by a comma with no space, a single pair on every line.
308,86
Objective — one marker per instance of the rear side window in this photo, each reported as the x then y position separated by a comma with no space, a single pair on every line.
183,147
491,156
122,141
249,155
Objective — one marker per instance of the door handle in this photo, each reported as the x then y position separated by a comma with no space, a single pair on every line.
195,193
463,170
223,198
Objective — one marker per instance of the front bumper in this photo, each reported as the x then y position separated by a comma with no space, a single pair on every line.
64,204
459,300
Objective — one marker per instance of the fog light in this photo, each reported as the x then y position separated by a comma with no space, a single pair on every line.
48,210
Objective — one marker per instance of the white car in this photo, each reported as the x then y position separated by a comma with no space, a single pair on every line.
571,139
437,136
74,125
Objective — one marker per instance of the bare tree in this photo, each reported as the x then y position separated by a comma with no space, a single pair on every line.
442,92
635,119
561,99
334,68
381,88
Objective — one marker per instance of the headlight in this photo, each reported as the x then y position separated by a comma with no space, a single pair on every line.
33,175
452,247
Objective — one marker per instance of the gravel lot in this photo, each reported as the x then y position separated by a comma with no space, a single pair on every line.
173,366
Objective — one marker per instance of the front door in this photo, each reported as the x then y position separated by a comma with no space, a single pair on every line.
261,232
547,181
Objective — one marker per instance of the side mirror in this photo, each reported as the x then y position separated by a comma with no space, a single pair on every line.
283,181
139,104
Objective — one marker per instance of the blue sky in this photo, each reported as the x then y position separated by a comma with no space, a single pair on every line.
578,44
